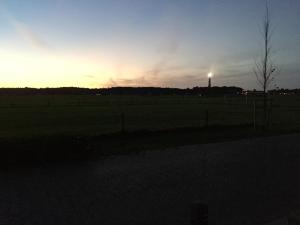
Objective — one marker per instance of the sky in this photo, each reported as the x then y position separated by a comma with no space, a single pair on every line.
167,43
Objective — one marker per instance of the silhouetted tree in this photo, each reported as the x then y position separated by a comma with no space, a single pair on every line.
264,68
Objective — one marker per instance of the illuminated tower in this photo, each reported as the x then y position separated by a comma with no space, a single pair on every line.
209,79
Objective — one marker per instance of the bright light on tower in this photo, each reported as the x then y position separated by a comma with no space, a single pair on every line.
209,79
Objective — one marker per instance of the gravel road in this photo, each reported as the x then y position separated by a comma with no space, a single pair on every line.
158,187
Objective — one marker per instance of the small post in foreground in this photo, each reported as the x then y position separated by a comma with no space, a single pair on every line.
122,122
206,118
254,114
199,214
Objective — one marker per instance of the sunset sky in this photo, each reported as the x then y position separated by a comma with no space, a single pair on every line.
169,43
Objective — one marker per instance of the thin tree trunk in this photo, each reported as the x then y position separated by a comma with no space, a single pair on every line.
266,62
265,111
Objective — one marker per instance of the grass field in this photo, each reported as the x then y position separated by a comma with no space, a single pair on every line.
31,116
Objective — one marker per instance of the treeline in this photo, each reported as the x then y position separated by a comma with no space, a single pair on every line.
47,91
285,91
202,91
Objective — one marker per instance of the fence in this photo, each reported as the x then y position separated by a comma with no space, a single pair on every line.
105,114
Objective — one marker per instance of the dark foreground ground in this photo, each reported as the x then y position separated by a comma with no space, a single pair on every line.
243,182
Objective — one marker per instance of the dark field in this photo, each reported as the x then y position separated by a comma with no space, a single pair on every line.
31,116
44,128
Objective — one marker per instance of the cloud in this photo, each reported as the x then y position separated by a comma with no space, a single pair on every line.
183,80
136,82
89,76
30,36
170,39
158,68
24,30
169,79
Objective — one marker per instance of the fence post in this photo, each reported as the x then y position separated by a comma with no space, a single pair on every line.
270,111
123,122
206,118
254,114
199,214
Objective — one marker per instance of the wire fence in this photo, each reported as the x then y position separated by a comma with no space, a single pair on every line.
91,115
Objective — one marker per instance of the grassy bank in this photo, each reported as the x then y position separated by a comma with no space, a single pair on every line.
51,149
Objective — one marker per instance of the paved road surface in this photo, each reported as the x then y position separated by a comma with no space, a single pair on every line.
158,187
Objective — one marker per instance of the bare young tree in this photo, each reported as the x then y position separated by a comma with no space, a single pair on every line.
264,68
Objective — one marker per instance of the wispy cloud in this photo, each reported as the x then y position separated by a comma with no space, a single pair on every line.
136,82
183,80
89,76
24,31
30,36
158,68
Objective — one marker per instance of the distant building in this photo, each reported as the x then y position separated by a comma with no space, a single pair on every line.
254,92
